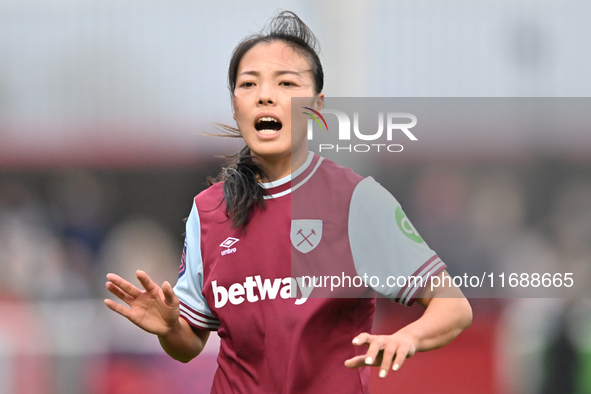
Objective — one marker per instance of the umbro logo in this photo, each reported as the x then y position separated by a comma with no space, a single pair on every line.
228,245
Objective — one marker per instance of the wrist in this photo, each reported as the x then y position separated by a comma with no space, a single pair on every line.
411,335
173,329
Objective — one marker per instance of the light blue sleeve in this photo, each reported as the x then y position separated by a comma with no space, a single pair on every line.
385,244
189,287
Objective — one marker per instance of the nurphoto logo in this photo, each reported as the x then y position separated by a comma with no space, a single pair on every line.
396,122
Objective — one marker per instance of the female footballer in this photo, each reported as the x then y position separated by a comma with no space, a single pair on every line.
244,233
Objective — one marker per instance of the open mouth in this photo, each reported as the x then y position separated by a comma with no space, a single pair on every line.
267,125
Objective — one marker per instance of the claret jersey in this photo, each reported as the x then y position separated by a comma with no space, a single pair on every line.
281,333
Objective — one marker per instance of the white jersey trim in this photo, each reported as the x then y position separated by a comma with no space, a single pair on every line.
189,287
433,268
285,179
285,192
309,175
195,319
294,175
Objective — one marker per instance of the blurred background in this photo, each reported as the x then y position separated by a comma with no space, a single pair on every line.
102,109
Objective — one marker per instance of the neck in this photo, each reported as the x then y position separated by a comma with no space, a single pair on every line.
277,168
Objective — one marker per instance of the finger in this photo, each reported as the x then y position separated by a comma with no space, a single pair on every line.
145,280
401,354
120,309
387,356
356,362
374,349
124,285
361,339
169,296
117,292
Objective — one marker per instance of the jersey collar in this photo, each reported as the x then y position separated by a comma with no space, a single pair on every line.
291,182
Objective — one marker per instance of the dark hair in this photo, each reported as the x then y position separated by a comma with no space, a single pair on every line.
241,178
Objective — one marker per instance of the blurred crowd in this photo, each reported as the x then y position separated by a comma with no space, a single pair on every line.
62,231
518,220
60,245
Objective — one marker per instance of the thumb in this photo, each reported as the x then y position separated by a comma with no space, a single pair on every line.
169,296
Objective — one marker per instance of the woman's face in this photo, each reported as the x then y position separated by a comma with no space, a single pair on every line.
268,76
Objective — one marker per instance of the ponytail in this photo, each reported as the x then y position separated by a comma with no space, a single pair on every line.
241,187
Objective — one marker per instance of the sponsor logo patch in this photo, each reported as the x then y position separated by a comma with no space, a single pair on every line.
406,226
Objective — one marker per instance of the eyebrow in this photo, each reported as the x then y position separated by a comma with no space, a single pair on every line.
276,73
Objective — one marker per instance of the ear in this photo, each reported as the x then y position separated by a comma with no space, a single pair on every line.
320,101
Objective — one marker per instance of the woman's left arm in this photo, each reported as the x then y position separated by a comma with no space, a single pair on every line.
446,315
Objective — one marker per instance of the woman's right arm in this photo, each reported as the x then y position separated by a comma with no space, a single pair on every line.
156,310
183,343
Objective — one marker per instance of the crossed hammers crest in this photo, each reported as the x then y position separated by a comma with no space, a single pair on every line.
312,232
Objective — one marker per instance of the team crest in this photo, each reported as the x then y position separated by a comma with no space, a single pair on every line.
305,234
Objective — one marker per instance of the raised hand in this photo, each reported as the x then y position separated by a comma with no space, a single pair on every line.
154,309
384,351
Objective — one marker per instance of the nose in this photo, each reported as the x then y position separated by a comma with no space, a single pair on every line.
266,94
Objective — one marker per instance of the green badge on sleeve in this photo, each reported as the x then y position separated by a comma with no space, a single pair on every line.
406,226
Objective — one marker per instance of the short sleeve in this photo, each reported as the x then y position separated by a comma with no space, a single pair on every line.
189,287
385,244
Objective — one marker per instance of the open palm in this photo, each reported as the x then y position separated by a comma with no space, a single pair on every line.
154,309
